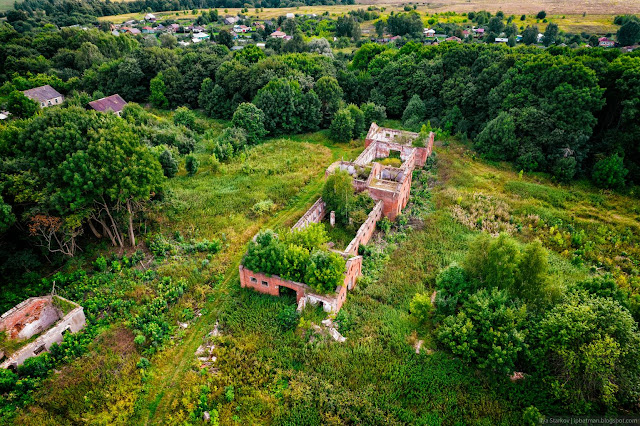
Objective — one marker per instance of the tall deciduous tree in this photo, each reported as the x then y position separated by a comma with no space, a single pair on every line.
84,168
158,88
330,94
250,118
21,106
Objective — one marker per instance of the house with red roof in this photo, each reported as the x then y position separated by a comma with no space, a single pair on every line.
113,103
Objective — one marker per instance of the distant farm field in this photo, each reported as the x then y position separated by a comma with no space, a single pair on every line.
6,4
570,22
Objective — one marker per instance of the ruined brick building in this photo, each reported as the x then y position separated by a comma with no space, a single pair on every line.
388,186
48,317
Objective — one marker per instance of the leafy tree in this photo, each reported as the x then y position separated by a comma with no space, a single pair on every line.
250,54
405,23
93,168
541,15
530,35
320,46
296,44
330,95
287,108
415,113
347,26
168,163
183,116
629,33
342,126
358,121
497,141
488,331
338,194
550,34
251,119
212,99
373,114
495,25
564,168
21,106
7,218
379,26
158,88
325,271
454,280
294,262
191,164
609,172
503,257
310,237
168,41
224,38
365,54
532,275
589,347
265,254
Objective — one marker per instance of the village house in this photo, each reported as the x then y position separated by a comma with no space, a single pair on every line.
230,20
605,42
478,32
456,39
150,17
241,29
113,103
148,30
428,32
174,28
501,39
200,37
388,186
278,34
46,96
291,15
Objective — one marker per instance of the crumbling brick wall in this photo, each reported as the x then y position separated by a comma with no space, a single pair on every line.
29,318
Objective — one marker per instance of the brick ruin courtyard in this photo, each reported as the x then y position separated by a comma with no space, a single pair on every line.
388,186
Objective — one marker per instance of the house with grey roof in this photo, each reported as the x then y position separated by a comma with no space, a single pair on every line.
113,103
46,96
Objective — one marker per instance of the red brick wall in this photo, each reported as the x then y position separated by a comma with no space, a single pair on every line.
366,230
273,283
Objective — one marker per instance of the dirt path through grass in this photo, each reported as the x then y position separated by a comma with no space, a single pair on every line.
170,366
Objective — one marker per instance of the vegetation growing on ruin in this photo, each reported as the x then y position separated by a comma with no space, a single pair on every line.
300,255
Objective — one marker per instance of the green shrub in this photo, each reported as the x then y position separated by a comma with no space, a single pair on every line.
191,164
100,264
262,207
609,172
168,163
421,307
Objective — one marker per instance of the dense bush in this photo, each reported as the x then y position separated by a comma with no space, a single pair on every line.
300,256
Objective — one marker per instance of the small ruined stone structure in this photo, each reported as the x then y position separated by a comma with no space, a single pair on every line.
40,315
389,186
